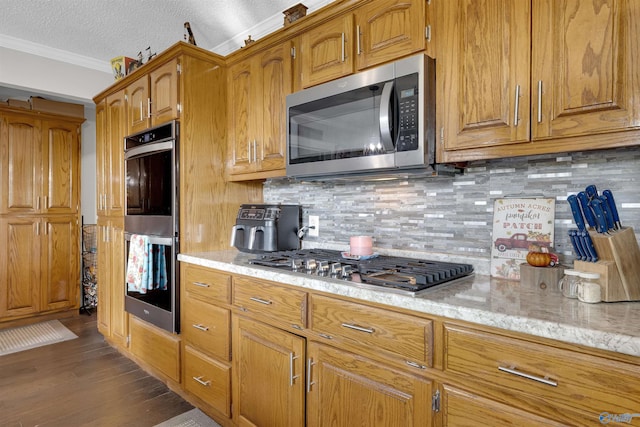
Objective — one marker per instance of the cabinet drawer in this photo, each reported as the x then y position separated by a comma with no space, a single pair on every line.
208,379
543,372
373,328
155,347
212,285
266,299
207,327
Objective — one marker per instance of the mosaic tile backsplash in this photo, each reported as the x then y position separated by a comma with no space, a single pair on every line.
453,215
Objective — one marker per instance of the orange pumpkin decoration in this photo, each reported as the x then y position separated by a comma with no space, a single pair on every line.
538,259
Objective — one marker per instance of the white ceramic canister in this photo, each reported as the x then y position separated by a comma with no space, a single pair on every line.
568,285
589,289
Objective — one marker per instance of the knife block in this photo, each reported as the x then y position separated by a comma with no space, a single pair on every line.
618,264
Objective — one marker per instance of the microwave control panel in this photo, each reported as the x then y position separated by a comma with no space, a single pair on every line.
407,93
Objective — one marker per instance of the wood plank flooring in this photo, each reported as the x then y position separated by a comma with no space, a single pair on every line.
81,382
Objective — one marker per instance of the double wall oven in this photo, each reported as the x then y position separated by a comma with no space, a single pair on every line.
151,226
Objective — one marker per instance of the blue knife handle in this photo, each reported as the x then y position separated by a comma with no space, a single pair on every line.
607,213
575,210
576,246
612,207
589,244
586,210
601,222
591,191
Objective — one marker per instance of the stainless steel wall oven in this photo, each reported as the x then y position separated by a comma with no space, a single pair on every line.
151,226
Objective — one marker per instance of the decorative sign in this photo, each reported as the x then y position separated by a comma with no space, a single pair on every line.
519,224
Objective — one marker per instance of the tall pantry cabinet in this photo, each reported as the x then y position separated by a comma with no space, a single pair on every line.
39,213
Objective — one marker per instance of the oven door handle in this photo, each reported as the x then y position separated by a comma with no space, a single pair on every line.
385,117
142,150
154,240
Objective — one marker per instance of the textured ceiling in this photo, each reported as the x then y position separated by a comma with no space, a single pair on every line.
101,29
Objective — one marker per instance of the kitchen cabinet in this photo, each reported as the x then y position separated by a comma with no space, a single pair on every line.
40,268
269,377
156,348
535,77
113,320
111,128
348,389
39,213
567,386
153,98
258,87
377,32
206,333
40,165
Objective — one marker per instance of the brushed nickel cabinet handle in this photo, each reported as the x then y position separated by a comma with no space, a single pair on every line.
539,101
358,328
148,108
514,371
310,363
261,301
359,50
517,106
292,377
204,383
415,365
343,54
201,327
201,285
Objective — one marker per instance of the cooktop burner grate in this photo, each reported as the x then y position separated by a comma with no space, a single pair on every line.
406,274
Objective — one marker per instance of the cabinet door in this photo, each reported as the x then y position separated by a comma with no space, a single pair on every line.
60,181
60,248
114,153
327,51
461,408
138,100
585,60
387,30
241,111
348,390
20,267
276,74
164,93
102,157
21,152
485,73
104,283
119,317
268,388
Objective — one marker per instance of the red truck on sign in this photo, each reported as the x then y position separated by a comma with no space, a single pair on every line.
518,241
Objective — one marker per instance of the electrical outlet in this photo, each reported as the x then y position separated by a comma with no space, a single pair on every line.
314,225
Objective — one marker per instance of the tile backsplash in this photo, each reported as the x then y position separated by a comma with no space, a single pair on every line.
453,215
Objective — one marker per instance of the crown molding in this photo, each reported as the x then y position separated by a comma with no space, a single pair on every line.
262,29
53,53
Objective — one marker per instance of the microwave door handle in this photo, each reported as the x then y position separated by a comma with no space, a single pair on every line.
385,117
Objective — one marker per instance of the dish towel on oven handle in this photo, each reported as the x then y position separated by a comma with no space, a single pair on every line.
139,264
160,268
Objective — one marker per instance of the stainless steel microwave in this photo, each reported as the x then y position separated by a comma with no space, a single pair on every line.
379,120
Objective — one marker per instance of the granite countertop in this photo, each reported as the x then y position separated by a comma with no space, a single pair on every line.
479,299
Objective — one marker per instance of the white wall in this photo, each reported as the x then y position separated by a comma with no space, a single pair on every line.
23,75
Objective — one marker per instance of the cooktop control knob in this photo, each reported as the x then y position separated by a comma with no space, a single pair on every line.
323,268
335,269
310,265
296,264
347,271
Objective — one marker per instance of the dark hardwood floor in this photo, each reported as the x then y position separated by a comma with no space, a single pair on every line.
81,382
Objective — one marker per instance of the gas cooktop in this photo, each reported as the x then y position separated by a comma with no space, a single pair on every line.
402,275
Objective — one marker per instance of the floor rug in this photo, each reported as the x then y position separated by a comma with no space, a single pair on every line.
192,418
26,337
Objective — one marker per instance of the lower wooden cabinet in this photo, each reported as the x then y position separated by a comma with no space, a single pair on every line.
207,379
39,269
155,347
347,389
269,375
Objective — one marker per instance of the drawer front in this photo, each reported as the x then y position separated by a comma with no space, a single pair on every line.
208,379
561,376
155,347
276,302
208,328
373,328
214,286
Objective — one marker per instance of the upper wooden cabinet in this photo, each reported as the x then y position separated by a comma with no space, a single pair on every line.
40,160
522,72
153,98
378,32
258,87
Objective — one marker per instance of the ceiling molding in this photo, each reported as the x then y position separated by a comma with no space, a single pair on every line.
53,53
